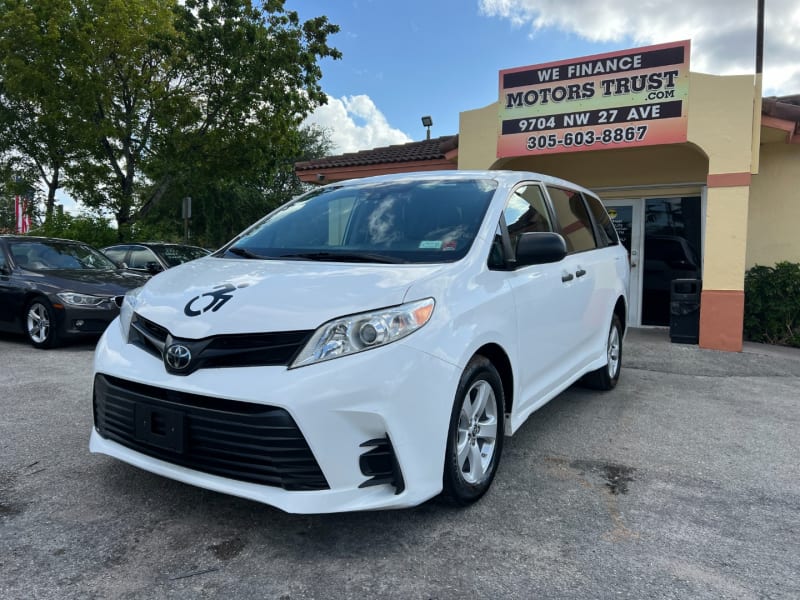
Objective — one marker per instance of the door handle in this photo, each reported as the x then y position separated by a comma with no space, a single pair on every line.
580,272
567,277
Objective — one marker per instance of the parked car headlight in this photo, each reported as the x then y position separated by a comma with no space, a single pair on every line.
74,299
364,331
126,311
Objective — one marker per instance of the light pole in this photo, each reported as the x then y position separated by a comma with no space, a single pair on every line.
427,122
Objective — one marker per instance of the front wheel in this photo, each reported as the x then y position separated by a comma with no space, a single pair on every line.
475,437
40,323
605,378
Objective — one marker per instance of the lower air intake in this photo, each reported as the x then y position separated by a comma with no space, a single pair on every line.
380,465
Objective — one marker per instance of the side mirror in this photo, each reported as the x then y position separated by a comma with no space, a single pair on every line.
153,267
538,248
5,269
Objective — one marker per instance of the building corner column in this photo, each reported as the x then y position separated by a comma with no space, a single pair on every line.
722,298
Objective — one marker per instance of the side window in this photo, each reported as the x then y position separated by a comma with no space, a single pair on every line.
2,259
605,228
116,255
526,211
497,257
573,219
140,257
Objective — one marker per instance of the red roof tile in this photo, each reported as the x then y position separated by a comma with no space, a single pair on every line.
783,107
434,149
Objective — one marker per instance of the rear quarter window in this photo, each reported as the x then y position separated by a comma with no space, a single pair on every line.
573,219
606,232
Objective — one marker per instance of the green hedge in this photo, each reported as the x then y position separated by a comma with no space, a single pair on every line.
772,304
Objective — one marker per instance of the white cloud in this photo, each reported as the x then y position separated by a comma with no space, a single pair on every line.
355,123
722,31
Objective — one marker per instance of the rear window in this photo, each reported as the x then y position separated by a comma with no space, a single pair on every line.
176,255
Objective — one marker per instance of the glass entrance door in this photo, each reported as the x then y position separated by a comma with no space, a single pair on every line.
672,234
627,218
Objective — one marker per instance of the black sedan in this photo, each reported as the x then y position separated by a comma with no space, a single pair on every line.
52,289
153,257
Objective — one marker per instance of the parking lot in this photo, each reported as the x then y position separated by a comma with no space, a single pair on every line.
681,483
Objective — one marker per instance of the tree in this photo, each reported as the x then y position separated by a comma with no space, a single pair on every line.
166,98
35,95
224,206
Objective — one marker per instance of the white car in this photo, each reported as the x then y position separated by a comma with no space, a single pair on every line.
369,344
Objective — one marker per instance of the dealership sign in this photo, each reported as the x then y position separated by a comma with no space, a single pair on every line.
621,99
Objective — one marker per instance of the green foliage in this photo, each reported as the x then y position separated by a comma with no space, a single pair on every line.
93,230
129,104
223,206
36,95
772,304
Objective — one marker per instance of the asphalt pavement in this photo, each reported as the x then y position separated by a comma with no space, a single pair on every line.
681,483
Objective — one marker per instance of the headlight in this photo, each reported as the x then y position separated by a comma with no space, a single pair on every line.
126,311
364,331
74,299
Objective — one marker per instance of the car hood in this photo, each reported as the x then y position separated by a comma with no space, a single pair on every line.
213,296
98,283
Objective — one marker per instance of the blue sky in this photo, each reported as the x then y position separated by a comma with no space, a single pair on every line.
403,59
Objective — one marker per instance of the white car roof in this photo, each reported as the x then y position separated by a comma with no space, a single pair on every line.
504,177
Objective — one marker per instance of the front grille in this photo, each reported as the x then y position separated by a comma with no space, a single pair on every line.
239,440
232,350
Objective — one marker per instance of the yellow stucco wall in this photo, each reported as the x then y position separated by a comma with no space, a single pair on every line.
774,211
726,238
658,165
720,117
720,120
477,138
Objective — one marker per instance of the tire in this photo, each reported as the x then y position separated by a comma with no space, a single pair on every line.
40,323
605,378
475,436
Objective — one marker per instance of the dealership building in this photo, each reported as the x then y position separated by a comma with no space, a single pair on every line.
699,172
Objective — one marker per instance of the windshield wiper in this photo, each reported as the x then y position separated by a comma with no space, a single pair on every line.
244,253
366,257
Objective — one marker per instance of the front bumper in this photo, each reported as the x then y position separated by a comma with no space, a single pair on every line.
342,408
77,321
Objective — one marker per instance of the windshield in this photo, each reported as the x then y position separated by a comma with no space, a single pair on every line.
52,254
176,255
406,221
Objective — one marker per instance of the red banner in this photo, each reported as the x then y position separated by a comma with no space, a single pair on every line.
22,220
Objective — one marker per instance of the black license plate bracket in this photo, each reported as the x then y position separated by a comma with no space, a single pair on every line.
160,427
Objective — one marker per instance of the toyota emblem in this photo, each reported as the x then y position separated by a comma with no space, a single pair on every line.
178,357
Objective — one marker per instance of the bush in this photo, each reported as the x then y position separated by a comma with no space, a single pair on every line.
93,230
772,304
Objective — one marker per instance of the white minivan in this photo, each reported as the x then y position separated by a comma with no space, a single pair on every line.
369,344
